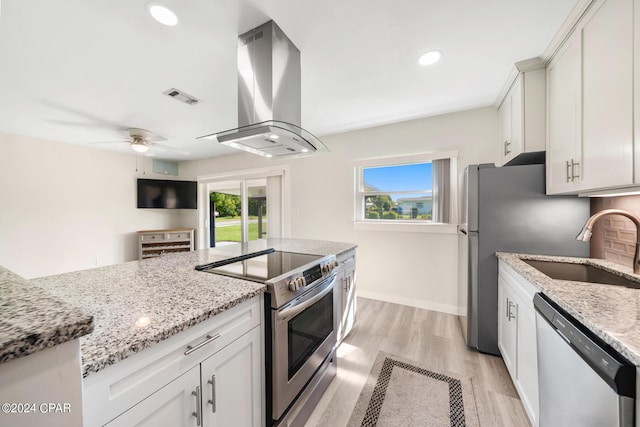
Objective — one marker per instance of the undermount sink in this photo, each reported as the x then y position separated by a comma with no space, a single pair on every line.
580,273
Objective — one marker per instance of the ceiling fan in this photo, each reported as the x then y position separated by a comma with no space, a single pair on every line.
141,140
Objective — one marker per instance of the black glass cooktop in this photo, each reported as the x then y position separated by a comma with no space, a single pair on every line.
262,268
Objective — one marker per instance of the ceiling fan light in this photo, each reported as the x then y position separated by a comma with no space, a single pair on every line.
139,147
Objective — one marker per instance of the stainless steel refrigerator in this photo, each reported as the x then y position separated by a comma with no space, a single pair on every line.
507,211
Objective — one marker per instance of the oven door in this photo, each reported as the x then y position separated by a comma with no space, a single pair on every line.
304,334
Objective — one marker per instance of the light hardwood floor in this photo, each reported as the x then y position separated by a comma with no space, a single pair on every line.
424,336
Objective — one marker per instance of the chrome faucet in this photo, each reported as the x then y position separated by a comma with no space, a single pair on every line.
585,234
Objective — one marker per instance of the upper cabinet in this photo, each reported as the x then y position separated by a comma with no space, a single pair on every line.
607,95
521,112
563,122
590,103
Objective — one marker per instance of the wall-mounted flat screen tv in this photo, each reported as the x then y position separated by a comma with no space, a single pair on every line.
166,194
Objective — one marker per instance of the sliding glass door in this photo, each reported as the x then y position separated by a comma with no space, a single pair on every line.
242,210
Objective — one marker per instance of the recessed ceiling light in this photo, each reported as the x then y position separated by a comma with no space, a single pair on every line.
162,14
430,57
274,136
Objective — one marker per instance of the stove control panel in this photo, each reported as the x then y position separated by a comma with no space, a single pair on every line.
299,281
311,275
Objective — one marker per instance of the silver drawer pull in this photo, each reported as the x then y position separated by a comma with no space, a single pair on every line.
191,349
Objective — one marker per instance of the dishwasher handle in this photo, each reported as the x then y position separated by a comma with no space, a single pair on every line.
612,367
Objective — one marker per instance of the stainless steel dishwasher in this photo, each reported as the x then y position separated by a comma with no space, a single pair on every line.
582,380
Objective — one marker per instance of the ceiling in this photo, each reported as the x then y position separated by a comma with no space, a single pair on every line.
81,71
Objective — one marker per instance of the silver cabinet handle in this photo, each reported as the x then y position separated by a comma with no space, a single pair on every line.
191,349
198,413
571,175
511,315
506,147
212,381
573,165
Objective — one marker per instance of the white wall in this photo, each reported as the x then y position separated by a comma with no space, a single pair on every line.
66,207
418,269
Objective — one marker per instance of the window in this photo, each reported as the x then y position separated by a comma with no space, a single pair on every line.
408,189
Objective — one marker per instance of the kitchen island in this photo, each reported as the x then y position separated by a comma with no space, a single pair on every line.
146,312
39,344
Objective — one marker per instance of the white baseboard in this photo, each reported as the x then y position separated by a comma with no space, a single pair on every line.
411,302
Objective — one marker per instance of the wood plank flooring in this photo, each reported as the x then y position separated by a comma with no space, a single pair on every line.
424,336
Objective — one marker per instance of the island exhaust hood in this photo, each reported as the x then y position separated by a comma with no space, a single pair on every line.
269,97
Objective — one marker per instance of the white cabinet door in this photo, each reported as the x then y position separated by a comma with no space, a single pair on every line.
517,336
174,405
507,326
516,145
526,349
232,384
563,118
607,96
346,295
522,115
505,129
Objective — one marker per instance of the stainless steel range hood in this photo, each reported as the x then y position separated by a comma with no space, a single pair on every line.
269,99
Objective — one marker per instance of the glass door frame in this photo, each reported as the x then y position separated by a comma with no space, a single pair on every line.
211,183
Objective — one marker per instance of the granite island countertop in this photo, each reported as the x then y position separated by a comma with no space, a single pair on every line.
611,312
31,319
140,303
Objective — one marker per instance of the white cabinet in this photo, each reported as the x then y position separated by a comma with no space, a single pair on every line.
607,95
153,243
563,121
517,336
174,405
590,103
508,310
346,294
157,386
521,113
232,386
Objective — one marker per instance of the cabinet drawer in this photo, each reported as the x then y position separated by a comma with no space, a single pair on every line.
177,236
155,237
117,388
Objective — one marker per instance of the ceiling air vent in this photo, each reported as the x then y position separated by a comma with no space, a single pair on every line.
182,96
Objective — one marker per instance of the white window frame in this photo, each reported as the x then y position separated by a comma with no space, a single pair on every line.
361,223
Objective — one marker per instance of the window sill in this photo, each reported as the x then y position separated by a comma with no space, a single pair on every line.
408,227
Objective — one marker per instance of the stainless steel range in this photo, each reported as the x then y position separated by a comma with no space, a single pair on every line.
301,330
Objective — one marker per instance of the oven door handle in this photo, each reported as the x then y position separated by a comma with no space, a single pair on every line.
296,309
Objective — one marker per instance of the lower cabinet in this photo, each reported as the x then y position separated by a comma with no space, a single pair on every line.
211,374
232,385
225,390
517,336
347,293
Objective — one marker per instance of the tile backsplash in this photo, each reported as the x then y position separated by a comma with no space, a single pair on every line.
614,236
